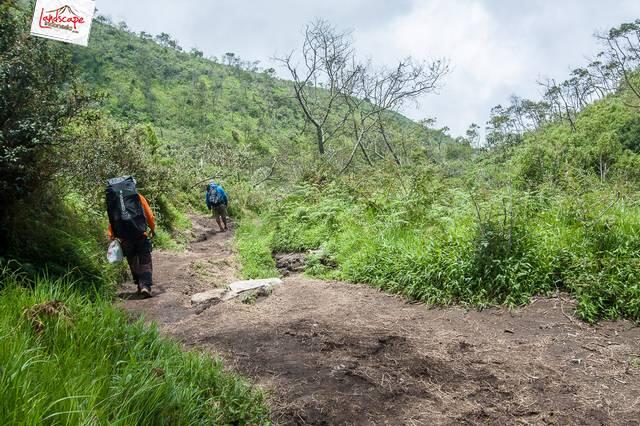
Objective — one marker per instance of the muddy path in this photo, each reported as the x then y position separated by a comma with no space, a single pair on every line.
331,353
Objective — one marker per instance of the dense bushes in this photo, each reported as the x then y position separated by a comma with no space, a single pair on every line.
253,243
59,235
37,98
424,238
60,228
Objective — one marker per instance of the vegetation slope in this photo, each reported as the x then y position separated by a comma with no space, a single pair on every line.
546,207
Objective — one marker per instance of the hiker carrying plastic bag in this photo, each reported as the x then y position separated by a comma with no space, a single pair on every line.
129,216
217,202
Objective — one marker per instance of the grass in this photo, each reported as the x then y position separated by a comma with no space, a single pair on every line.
253,244
68,358
172,226
164,240
445,246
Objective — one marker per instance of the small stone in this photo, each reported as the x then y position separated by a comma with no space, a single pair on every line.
261,287
240,286
210,296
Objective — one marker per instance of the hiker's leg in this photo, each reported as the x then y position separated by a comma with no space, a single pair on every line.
223,211
133,267
129,252
221,216
145,264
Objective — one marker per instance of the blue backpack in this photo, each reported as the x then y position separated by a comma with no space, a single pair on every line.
215,199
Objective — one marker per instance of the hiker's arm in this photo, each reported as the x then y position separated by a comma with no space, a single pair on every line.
110,232
148,214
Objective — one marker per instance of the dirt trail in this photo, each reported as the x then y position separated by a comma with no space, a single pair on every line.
336,353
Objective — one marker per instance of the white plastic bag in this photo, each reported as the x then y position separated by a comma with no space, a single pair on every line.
114,252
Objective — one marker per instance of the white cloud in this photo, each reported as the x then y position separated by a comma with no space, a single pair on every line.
496,48
483,62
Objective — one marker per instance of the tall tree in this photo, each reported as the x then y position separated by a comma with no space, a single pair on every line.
326,72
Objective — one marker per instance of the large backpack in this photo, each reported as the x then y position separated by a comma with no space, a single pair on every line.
215,199
124,208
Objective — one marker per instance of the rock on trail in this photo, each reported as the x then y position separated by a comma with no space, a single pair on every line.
235,289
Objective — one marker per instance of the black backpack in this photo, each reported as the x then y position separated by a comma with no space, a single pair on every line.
124,208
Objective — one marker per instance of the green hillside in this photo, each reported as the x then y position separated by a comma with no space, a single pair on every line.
189,99
220,116
62,136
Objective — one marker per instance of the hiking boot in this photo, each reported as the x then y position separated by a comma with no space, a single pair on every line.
145,291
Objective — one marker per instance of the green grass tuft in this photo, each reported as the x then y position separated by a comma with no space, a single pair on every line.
79,360
253,243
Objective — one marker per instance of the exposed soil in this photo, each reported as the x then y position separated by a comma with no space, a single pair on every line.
288,263
331,353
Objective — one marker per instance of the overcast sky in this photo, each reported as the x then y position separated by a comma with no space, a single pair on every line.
496,47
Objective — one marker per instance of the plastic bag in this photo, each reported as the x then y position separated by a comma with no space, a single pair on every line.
114,252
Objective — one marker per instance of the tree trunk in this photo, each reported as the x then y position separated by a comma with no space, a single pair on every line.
320,136
386,141
366,155
353,153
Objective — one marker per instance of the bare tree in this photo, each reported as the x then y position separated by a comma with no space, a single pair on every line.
561,98
473,135
374,93
504,128
382,127
320,81
623,52
338,95
616,68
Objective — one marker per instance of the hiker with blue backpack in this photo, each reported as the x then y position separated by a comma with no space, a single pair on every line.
217,202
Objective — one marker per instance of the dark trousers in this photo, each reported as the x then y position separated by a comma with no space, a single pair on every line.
138,254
